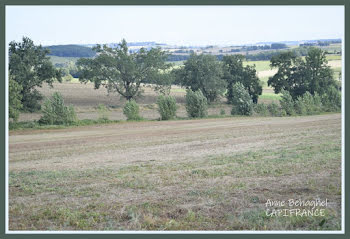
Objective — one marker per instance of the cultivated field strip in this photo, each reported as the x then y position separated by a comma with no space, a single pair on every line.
123,143
175,175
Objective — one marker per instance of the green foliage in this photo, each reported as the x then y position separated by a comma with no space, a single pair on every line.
120,71
131,110
274,109
222,112
318,106
161,83
235,72
241,100
300,106
308,104
55,112
297,76
103,113
204,73
30,68
71,51
287,103
166,107
69,70
15,97
331,100
196,104
261,109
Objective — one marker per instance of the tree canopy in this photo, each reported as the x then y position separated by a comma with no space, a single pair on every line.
120,71
202,72
298,76
30,68
235,72
14,99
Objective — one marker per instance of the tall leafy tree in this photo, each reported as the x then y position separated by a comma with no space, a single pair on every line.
235,72
297,76
30,68
120,71
202,72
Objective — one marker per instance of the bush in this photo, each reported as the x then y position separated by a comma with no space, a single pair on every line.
287,103
103,113
331,100
131,110
196,104
261,109
166,107
308,104
241,100
317,103
300,106
274,109
15,98
56,112
222,112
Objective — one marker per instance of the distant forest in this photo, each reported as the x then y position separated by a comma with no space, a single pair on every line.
71,51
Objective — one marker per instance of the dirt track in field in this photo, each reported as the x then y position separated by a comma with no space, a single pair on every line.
126,143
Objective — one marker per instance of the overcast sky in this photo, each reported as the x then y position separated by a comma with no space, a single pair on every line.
181,25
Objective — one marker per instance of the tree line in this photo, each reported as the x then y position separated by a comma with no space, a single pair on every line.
123,72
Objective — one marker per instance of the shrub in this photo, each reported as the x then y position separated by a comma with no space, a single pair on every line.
261,109
317,103
300,106
241,100
274,109
131,110
56,112
331,100
222,112
196,104
166,107
308,104
287,103
103,113
15,98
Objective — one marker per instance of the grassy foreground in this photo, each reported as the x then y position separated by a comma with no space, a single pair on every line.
212,174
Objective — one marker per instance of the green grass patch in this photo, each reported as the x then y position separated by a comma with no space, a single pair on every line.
35,124
270,96
259,65
62,60
178,90
333,57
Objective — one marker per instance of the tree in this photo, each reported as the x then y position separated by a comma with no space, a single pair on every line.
30,68
14,99
196,104
297,76
166,107
202,72
120,71
234,72
242,102
161,83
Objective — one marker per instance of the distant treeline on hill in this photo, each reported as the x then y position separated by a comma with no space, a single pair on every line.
71,51
262,56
